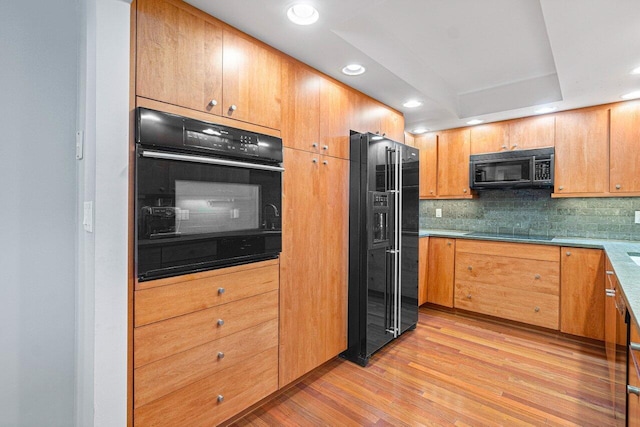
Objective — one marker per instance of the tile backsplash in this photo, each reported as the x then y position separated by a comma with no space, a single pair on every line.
535,213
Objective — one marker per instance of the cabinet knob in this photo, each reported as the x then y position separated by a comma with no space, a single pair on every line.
324,162
618,186
220,355
325,147
220,398
233,108
561,188
537,309
504,146
514,146
469,268
431,191
448,243
220,291
315,160
468,296
537,277
568,253
213,102
220,322
314,145
464,190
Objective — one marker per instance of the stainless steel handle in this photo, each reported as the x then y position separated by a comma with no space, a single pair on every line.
633,390
609,273
221,291
220,398
208,160
220,322
618,186
213,102
634,346
220,355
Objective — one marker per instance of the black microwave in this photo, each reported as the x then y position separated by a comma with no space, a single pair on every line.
512,169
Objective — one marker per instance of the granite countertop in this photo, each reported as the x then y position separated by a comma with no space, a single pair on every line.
627,271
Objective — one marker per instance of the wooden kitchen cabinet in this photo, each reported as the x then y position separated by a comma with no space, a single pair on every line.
368,115
624,155
509,280
193,342
315,112
519,134
453,163
581,152
423,260
313,284
185,57
428,145
633,402
440,271
582,291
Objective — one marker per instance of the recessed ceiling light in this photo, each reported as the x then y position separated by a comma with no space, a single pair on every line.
545,110
631,95
475,122
353,70
412,103
302,14
420,130
635,70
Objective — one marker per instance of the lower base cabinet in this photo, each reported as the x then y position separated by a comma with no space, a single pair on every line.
205,345
509,280
633,399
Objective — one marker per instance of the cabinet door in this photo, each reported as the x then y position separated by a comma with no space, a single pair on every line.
299,267
582,292
453,163
532,132
423,253
392,124
334,119
440,271
179,56
252,81
490,138
364,114
582,140
333,226
300,107
624,153
428,146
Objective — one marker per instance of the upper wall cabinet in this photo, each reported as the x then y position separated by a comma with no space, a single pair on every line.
453,163
582,140
624,154
428,145
521,134
315,112
370,116
186,58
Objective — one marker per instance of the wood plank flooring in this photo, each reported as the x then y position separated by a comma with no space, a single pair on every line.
454,370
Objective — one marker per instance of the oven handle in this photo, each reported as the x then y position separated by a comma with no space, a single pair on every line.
209,160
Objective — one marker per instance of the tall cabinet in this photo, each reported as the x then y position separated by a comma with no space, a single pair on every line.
314,259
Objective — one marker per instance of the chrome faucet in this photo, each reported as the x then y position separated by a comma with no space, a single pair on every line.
276,214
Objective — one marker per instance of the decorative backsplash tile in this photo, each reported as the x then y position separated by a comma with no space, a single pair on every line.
535,213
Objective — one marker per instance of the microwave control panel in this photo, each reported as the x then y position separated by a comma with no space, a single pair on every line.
542,171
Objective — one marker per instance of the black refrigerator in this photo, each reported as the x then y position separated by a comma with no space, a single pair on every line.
383,243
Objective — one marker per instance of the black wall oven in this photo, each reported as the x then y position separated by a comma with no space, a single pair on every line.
207,196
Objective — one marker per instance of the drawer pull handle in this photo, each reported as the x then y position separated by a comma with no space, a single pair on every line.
220,398
220,355
537,277
537,309
634,346
220,291
470,268
610,292
633,390
220,322
609,273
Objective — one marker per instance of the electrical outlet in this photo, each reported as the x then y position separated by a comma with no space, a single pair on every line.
637,217
439,213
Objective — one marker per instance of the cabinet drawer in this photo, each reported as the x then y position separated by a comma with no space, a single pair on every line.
197,404
505,301
163,302
162,339
511,250
164,376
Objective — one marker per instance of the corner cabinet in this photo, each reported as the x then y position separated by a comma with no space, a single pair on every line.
189,59
313,281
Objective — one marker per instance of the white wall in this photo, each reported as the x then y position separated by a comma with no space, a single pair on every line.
38,87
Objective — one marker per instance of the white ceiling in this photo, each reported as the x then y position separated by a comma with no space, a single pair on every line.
487,59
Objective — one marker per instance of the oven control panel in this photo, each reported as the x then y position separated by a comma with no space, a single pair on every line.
223,140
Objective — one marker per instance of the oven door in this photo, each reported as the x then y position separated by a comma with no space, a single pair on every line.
196,213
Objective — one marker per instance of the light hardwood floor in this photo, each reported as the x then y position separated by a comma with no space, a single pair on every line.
454,370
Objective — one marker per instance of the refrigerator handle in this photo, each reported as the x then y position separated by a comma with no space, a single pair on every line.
387,291
399,234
